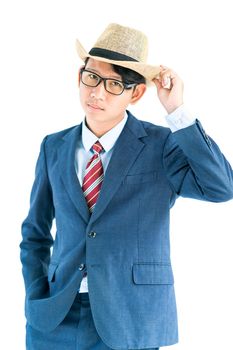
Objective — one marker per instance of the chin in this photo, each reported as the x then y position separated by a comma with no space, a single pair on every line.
96,117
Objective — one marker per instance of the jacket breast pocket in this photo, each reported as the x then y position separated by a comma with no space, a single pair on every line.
51,271
140,178
152,273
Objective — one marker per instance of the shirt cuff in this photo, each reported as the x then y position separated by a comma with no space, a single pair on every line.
180,119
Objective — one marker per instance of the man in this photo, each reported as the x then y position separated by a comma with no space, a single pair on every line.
110,183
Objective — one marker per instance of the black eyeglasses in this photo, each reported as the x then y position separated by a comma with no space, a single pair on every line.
113,86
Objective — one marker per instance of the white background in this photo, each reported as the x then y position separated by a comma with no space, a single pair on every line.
39,95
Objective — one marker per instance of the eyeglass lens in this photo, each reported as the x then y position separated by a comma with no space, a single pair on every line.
111,85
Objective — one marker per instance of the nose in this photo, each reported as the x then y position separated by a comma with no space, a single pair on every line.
99,91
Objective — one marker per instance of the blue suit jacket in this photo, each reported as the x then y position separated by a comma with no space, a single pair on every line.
130,277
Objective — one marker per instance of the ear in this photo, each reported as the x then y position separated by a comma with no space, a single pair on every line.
138,92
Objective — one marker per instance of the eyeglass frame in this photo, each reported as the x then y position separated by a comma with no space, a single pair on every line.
125,85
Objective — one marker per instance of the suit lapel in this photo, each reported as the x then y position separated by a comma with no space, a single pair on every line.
126,150
69,177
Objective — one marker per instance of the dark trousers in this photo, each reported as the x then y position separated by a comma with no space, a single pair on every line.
76,332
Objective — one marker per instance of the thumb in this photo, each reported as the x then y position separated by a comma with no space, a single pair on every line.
157,83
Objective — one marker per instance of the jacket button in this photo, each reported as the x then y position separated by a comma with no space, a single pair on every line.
92,234
81,267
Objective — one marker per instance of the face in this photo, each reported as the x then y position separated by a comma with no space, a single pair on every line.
101,108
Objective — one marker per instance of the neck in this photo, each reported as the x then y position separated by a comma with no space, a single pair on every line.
99,129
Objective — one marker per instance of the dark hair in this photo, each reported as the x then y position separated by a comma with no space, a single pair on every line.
128,76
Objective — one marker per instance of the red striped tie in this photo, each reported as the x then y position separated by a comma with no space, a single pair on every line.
93,177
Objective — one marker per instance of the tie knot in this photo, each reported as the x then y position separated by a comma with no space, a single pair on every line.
97,147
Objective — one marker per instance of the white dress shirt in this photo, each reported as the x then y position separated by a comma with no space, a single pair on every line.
177,120
180,118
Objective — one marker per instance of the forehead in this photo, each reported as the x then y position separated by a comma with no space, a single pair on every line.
102,68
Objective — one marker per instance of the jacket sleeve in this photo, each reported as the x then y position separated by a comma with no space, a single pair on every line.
195,166
36,228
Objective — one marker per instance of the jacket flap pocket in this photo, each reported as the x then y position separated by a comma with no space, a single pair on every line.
51,271
140,178
152,273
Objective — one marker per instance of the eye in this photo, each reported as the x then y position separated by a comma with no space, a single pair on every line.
92,76
115,83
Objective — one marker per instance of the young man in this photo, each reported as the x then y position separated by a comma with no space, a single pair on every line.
110,183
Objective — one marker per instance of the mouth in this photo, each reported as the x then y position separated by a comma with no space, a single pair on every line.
94,106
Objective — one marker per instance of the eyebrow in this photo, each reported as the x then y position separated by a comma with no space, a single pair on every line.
96,71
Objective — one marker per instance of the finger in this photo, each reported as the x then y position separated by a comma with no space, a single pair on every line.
162,81
167,77
163,67
157,82
167,69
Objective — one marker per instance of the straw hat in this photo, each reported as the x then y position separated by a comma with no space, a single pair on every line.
123,46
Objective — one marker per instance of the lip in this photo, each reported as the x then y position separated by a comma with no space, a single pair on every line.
94,106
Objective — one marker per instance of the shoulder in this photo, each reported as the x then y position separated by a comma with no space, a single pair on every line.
59,136
62,133
150,129
154,129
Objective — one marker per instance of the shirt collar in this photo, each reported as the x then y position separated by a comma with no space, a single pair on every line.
107,140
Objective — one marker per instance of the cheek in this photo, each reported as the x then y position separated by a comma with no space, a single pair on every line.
119,103
82,94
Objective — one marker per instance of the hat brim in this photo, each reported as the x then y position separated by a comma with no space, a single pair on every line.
148,71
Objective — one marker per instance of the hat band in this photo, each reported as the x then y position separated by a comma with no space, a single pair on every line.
112,55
